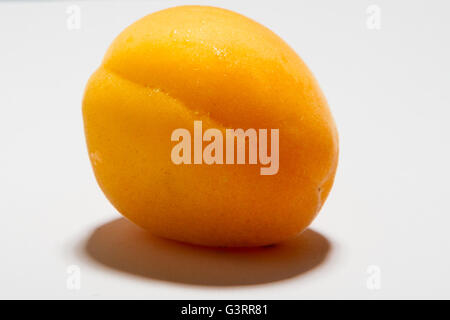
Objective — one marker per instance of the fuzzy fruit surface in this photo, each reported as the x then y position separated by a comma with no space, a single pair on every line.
198,63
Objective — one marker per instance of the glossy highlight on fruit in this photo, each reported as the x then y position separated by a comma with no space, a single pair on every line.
199,63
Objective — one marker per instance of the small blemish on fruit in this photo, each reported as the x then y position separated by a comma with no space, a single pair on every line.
95,158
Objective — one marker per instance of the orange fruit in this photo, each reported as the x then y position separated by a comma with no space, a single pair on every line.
199,63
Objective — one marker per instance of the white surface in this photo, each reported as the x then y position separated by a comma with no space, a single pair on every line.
389,92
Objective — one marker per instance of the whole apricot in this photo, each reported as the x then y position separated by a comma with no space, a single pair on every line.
217,67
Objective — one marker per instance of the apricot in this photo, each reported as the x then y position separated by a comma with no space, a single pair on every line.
200,63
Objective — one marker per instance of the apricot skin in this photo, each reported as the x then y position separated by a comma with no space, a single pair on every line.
204,63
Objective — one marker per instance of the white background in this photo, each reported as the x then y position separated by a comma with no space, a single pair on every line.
388,90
